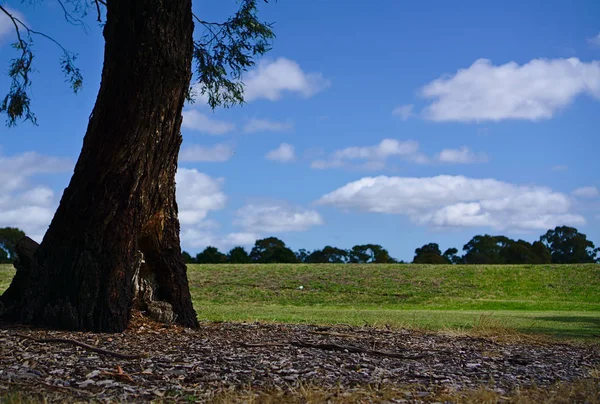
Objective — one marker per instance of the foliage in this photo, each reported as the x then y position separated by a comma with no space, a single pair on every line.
329,254
9,237
522,252
302,255
484,250
492,250
211,255
567,246
17,103
271,250
4,256
187,258
430,254
452,257
369,253
228,49
238,255
223,53
542,252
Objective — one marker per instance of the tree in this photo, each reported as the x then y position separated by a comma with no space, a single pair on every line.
369,253
302,255
328,255
211,255
485,250
9,237
358,254
568,246
523,252
541,252
187,258
282,256
116,227
451,255
429,254
4,257
238,255
271,250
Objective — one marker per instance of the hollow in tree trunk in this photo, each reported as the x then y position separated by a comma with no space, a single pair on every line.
117,219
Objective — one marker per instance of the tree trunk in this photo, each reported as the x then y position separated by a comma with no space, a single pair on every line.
118,216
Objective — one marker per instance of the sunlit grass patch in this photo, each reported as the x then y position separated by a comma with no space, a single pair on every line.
555,300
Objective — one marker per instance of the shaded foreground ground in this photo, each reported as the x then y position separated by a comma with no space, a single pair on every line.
247,362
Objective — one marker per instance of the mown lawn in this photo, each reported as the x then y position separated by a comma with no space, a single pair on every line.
559,300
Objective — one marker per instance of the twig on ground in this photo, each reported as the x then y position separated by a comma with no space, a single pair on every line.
337,334
333,347
354,349
82,345
261,344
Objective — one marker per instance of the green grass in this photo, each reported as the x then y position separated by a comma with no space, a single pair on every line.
6,274
559,300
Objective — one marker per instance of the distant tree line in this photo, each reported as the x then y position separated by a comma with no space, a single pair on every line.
9,237
562,245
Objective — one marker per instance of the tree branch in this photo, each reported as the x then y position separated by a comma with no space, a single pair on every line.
14,21
206,23
17,102
97,3
70,19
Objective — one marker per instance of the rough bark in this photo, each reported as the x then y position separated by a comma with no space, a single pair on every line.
121,198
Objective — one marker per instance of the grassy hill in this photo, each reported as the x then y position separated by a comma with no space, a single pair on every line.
562,300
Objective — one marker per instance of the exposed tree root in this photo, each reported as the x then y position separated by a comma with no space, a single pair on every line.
82,345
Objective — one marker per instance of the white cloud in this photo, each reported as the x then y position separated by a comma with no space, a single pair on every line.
217,153
594,41
373,157
533,91
404,111
457,201
198,239
323,164
197,194
254,219
267,218
23,205
284,153
200,122
195,238
271,79
239,238
586,192
7,28
30,211
463,155
15,170
265,125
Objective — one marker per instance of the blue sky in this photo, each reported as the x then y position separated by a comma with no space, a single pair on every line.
391,122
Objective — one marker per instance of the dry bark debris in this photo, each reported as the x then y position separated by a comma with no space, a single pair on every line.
218,356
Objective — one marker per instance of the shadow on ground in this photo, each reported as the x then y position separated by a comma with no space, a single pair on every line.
590,326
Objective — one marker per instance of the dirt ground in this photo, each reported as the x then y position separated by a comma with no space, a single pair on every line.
240,362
